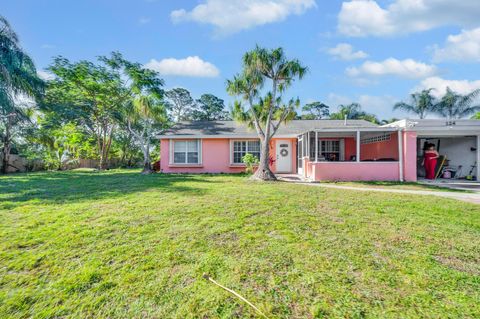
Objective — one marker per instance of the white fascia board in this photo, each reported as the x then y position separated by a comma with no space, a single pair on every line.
187,137
354,129
428,132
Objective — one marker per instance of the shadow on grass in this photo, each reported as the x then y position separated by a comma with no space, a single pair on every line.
75,186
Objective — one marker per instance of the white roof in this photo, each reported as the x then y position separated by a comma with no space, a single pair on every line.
439,127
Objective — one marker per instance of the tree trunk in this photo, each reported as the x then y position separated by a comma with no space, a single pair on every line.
263,172
6,148
101,164
147,165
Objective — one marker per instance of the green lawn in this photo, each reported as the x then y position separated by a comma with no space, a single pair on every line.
400,185
122,245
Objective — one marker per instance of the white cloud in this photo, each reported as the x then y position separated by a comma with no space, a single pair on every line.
461,47
44,75
407,68
236,15
344,51
440,86
192,66
366,17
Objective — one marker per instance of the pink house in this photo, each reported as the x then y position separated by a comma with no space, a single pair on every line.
319,150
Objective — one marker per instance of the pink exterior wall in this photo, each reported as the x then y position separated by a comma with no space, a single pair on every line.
353,171
370,171
215,158
350,148
410,156
382,149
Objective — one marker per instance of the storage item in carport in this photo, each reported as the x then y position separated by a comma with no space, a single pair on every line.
442,161
470,177
447,174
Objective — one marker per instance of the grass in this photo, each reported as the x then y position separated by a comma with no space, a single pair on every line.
122,245
401,185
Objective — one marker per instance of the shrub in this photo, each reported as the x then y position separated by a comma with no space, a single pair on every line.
250,161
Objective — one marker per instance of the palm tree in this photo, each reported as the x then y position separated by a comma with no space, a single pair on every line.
456,106
353,111
422,103
18,77
266,114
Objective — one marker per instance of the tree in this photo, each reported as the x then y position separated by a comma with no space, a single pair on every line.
210,108
144,120
18,81
353,111
266,113
422,103
88,95
388,121
180,104
144,111
63,144
457,106
315,111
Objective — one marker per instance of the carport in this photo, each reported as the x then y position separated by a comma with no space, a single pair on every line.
456,140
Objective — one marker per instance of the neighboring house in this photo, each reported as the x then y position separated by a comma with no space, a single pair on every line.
324,149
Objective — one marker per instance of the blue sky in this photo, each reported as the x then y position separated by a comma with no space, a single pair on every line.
372,52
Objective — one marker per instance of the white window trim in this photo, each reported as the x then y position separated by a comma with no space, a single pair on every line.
199,146
341,147
240,140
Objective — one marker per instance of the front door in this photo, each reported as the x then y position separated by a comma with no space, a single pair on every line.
284,156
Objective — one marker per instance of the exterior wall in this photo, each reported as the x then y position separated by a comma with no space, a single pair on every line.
215,157
410,156
359,171
478,158
350,148
352,171
382,149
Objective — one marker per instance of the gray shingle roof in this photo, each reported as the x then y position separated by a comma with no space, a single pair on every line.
233,128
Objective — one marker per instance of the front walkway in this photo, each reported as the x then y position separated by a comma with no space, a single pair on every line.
466,197
461,184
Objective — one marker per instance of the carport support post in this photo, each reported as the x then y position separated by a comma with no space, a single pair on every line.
478,158
358,147
308,146
400,155
316,146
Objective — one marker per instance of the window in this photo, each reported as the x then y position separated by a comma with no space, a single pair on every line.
331,150
240,148
186,152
